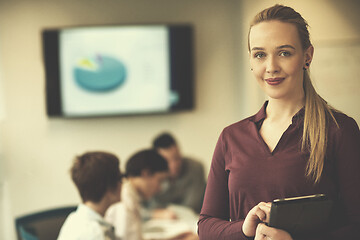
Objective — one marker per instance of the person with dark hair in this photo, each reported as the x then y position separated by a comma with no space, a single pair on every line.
97,177
164,140
147,160
145,171
186,183
296,145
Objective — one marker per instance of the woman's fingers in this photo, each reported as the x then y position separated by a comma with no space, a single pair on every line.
265,209
265,232
266,205
259,213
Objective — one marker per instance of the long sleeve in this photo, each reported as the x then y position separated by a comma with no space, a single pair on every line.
346,147
244,172
214,222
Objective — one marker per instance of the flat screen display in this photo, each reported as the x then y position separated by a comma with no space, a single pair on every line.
118,70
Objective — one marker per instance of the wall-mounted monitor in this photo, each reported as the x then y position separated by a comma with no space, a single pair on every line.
118,70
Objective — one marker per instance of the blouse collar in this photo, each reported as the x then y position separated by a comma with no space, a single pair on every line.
261,114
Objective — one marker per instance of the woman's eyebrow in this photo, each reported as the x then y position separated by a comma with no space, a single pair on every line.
257,48
279,47
285,46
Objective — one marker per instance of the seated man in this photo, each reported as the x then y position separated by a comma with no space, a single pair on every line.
145,171
186,185
97,177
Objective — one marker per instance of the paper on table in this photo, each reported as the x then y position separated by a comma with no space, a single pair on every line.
166,228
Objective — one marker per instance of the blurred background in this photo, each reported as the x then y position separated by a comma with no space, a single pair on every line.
36,151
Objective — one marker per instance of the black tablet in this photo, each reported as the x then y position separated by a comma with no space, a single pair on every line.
301,215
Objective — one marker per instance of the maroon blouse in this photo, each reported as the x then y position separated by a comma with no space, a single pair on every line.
244,172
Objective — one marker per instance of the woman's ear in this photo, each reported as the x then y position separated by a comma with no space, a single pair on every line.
309,53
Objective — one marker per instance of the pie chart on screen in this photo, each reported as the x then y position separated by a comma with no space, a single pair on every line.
100,73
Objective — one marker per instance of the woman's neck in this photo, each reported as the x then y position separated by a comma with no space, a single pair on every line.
283,109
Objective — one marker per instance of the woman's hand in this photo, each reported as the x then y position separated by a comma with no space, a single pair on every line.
259,213
264,232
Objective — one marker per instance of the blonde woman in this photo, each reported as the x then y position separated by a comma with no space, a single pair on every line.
295,145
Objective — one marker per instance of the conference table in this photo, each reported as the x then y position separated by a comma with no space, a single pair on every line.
161,229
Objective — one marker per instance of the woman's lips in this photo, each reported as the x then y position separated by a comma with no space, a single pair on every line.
274,81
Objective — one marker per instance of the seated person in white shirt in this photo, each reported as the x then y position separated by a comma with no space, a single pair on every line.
97,177
145,171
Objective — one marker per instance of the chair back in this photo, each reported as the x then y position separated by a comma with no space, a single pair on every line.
44,225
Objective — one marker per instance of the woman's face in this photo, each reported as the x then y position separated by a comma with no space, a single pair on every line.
277,59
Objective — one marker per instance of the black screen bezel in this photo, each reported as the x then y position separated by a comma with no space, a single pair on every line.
181,70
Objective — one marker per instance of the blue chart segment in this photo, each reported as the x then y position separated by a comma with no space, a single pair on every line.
100,74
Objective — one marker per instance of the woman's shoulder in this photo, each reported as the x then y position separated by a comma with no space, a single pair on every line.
239,130
344,121
344,125
244,123
244,128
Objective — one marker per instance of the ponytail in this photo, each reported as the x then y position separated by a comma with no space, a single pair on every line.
316,121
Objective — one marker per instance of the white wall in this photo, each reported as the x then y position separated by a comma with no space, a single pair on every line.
37,151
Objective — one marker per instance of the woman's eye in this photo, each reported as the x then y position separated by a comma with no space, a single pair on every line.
285,54
259,55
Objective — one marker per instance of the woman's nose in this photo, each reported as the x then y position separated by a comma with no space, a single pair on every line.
272,65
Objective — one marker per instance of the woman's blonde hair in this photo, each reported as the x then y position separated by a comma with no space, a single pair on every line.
317,111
